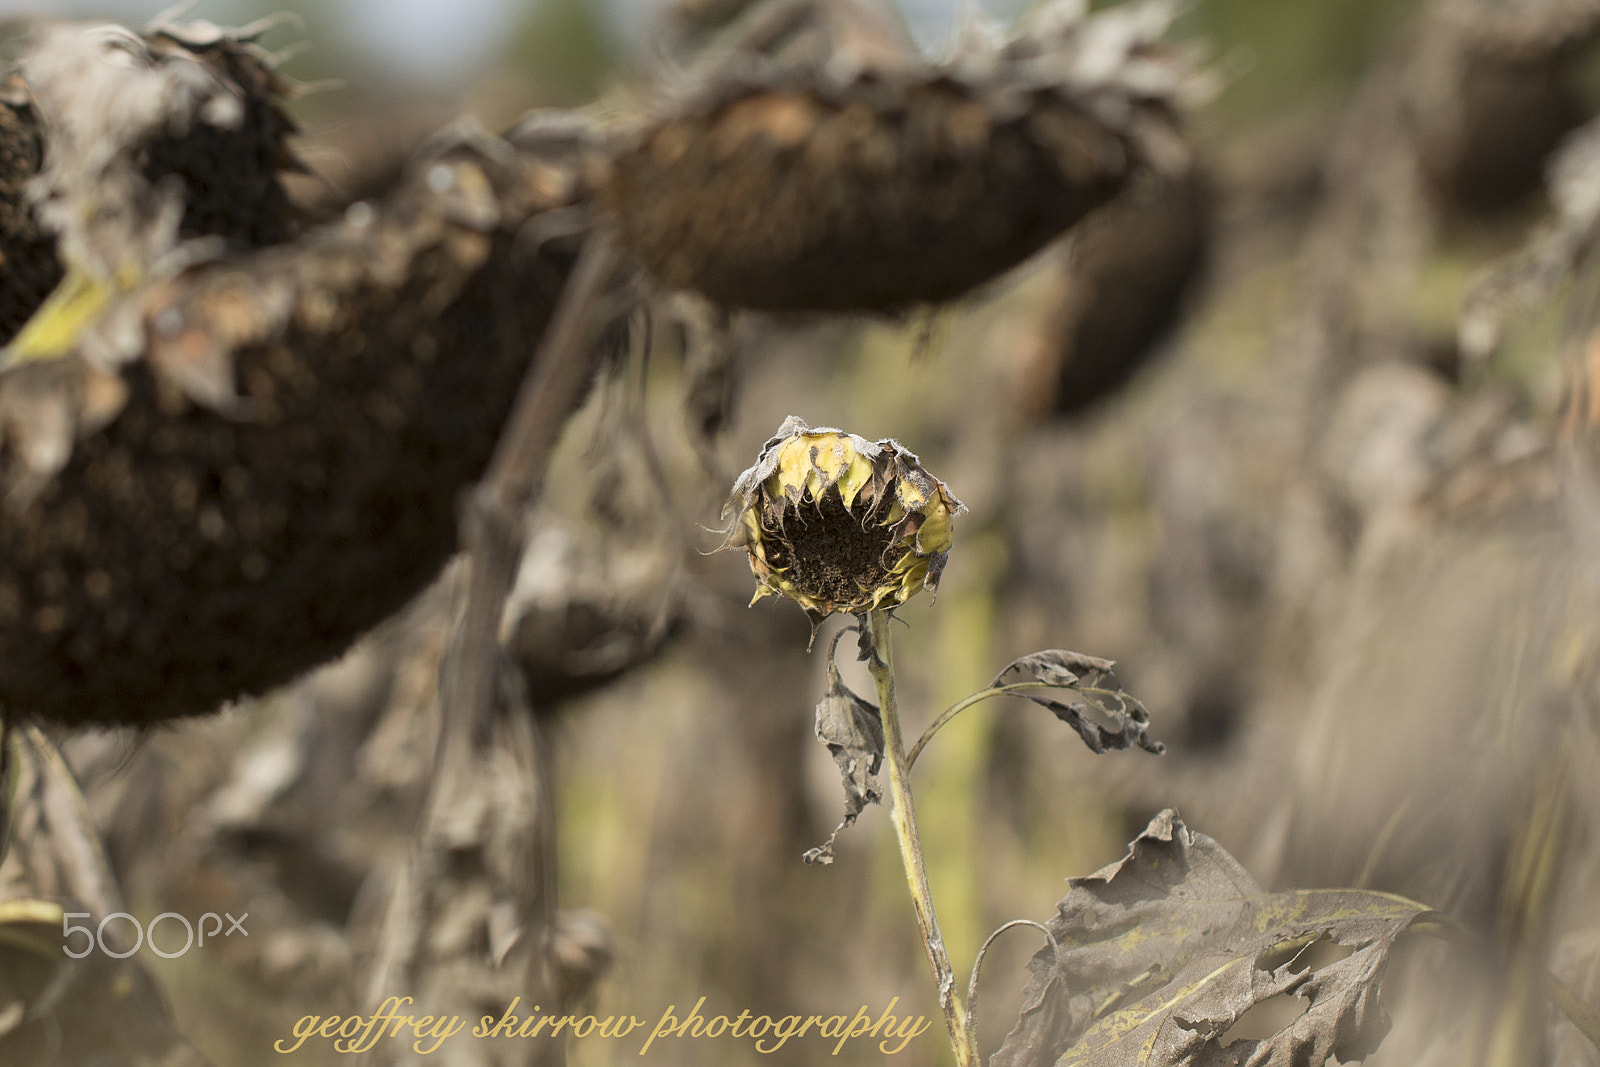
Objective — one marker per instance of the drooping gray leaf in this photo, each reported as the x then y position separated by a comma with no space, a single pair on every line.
853,732
1163,951
1096,683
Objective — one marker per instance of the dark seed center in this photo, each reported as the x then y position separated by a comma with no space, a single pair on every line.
827,552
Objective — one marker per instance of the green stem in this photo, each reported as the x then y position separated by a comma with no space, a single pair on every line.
904,817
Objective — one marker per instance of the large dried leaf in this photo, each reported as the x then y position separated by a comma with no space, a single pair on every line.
1163,951
585,611
50,845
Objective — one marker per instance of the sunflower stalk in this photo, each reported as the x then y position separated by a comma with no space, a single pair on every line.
841,524
904,817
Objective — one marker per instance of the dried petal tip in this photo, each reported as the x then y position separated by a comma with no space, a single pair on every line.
836,522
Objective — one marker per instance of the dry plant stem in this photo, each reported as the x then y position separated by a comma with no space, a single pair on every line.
492,518
977,964
8,733
962,705
977,698
1578,1013
904,817
491,521
492,531
759,28
548,903
1564,997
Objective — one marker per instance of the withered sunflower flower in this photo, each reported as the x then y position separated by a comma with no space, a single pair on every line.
874,181
836,522
221,465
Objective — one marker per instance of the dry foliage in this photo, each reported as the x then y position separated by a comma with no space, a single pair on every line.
1341,542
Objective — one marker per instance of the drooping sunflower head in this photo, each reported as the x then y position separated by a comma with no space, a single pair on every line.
836,522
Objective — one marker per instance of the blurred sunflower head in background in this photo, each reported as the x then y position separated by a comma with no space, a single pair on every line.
836,522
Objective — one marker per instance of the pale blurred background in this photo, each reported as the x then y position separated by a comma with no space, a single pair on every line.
1322,544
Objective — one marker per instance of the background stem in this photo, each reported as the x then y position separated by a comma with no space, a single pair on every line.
904,817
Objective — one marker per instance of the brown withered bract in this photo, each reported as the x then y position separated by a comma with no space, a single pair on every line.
259,455
873,185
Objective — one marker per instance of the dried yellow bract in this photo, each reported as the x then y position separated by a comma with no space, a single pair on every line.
839,523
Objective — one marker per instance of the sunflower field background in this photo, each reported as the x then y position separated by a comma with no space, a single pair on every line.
1304,440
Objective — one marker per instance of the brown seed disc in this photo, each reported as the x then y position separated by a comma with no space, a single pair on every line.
29,268
872,198
185,556
230,176
829,553
206,126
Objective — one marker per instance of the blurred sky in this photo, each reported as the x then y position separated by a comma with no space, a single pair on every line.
446,41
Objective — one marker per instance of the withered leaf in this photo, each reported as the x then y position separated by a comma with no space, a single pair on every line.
1163,951
853,732
1095,682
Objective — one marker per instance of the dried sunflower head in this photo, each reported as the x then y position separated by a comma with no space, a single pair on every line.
836,522
869,180
270,473
160,149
